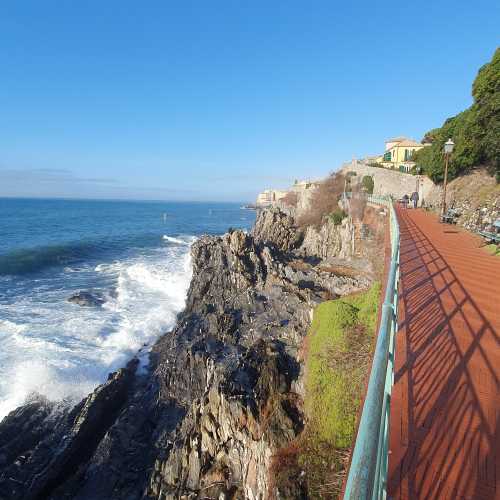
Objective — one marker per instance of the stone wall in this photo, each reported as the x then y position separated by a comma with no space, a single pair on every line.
390,182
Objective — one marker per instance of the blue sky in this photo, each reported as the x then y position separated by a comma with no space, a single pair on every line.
200,100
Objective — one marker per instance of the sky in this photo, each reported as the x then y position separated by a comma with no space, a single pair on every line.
218,100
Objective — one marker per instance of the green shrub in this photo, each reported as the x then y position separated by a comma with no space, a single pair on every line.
339,346
337,216
368,184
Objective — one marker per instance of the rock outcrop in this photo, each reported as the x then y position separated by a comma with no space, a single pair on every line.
276,229
329,240
221,394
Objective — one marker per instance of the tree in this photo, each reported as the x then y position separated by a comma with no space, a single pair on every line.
475,131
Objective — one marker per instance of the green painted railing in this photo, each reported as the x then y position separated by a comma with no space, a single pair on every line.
367,478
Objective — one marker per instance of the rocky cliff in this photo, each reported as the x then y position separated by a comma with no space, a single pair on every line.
222,392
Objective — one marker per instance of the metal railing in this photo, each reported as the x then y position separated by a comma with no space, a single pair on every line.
367,478
370,198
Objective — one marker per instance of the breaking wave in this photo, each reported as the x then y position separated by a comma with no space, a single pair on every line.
63,351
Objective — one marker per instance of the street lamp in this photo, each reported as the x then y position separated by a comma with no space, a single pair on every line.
448,149
419,184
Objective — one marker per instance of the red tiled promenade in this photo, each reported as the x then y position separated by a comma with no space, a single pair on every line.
445,409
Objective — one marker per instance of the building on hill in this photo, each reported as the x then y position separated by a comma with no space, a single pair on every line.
270,197
390,143
304,185
399,153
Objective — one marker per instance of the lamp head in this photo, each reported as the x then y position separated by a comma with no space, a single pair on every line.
448,146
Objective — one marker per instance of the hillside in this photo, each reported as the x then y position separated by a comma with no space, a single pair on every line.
476,196
475,131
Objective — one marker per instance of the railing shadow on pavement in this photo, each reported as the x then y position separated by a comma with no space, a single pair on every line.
439,391
444,424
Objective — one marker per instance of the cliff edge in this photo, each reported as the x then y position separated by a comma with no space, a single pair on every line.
223,391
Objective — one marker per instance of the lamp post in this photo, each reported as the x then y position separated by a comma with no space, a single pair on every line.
448,149
419,184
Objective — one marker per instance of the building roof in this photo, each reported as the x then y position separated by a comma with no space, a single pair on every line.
397,139
408,142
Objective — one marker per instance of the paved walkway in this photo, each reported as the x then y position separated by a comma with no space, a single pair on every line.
445,410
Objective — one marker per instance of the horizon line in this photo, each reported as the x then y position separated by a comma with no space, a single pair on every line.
69,198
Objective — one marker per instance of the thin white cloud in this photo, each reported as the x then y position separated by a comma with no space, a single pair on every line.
48,175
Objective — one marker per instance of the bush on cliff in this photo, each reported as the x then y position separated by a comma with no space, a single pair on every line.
340,335
368,184
290,199
325,201
339,347
475,131
337,216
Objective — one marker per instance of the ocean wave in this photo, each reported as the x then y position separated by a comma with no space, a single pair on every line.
178,241
63,352
26,261
70,255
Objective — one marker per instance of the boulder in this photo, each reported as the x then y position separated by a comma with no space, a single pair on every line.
87,299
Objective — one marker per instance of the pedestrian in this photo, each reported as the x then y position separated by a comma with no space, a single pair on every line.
405,201
414,198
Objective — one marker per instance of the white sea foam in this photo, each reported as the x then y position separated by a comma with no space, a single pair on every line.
171,239
181,240
9,327
63,351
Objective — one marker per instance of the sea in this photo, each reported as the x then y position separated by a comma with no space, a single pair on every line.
133,255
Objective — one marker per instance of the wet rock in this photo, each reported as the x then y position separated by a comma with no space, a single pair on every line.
87,299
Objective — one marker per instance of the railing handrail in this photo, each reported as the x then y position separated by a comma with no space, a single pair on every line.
367,478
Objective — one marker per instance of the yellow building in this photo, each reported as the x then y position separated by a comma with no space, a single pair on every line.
399,153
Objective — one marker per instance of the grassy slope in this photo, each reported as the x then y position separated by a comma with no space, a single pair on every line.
492,249
339,347
340,339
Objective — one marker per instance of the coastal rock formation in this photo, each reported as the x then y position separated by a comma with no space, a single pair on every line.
275,228
222,392
329,240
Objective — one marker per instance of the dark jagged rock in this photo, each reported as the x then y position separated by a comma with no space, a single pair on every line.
277,229
222,393
86,299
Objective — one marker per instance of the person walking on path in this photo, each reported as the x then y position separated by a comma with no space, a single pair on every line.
405,201
414,198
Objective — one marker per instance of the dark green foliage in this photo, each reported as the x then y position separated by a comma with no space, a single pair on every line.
475,131
368,184
337,216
